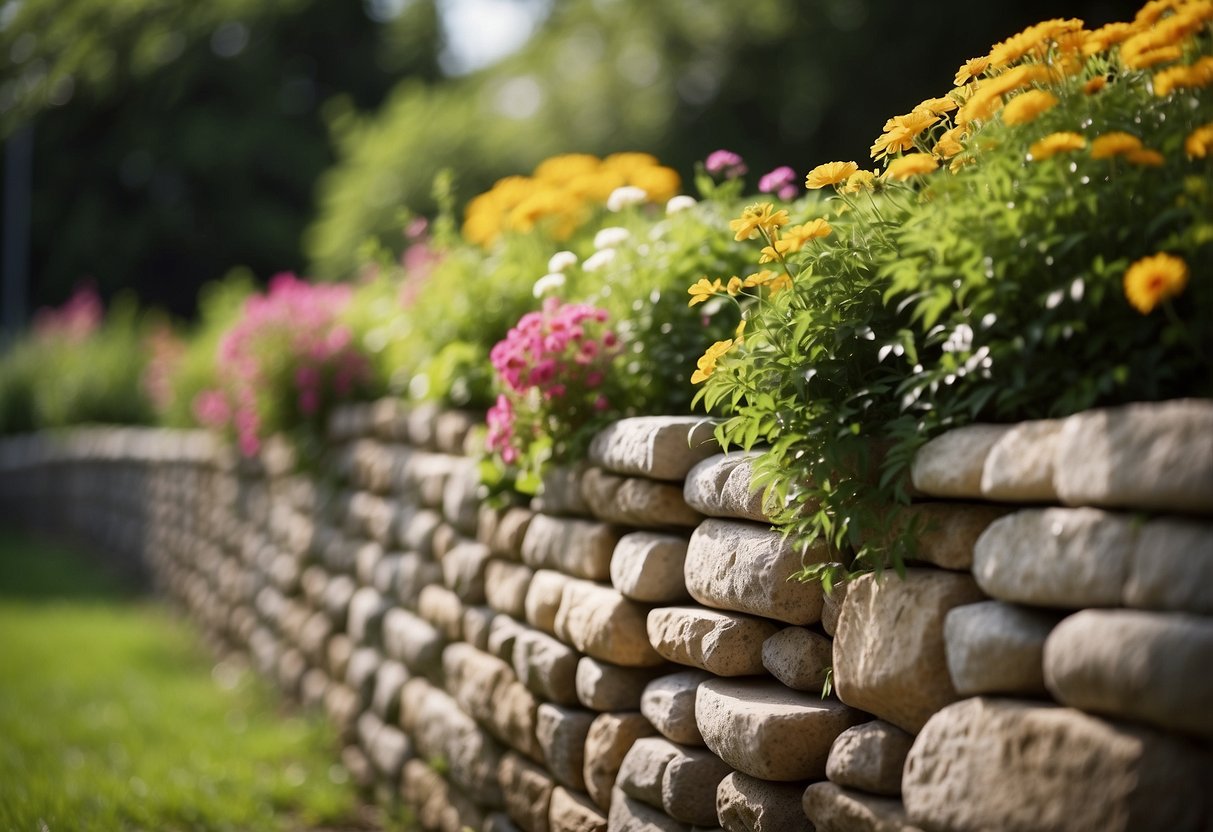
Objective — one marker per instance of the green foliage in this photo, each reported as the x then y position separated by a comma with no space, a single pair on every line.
994,292
200,125
56,379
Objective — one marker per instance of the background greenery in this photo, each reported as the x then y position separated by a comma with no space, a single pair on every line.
160,164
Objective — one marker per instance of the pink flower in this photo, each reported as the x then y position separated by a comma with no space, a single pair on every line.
781,182
725,163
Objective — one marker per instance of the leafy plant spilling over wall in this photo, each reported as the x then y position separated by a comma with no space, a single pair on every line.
1036,241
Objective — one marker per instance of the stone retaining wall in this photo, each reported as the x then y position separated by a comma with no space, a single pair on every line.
629,652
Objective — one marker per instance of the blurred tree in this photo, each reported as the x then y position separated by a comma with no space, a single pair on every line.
174,140
781,81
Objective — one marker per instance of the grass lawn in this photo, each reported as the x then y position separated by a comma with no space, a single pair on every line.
112,716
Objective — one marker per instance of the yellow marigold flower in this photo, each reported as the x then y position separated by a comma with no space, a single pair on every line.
912,165
1027,106
595,186
734,286
961,162
1146,58
1199,74
630,162
706,365
781,282
761,278
970,69
860,180
1148,14
900,132
1014,79
831,173
660,183
949,143
1114,144
1146,158
798,235
1095,84
1105,37
756,218
982,106
1199,143
1152,280
1034,40
1055,143
937,106
774,252
703,290
560,169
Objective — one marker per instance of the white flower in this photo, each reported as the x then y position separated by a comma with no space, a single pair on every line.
961,339
562,261
547,283
679,203
610,237
598,259
622,197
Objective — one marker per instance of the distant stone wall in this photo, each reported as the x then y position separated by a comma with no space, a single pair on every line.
630,653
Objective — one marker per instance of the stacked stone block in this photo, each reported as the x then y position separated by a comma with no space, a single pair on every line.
632,650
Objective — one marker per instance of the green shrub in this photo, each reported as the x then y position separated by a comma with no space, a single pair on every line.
1024,282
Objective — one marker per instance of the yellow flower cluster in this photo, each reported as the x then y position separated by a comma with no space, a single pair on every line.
1023,77
561,193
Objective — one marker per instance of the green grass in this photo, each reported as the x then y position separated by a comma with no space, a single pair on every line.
112,716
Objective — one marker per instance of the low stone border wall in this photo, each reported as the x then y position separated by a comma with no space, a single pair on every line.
629,653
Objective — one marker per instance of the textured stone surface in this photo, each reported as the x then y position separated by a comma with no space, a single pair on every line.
477,624
1143,666
385,701
946,532
978,764
832,808
546,666
831,608
561,493
636,501
889,656
528,792
746,568
561,733
575,812
689,783
414,572
765,730
506,586
669,703
628,815
442,609
607,743
951,464
1085,557
747,804
798,657
602,686
600,622
648,567
543,599
1140,456
719,486
870,757
463,570
438,806
580,548
643,767
1019,467
657,447
723,643
503,631
994,647
508,534
412,640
